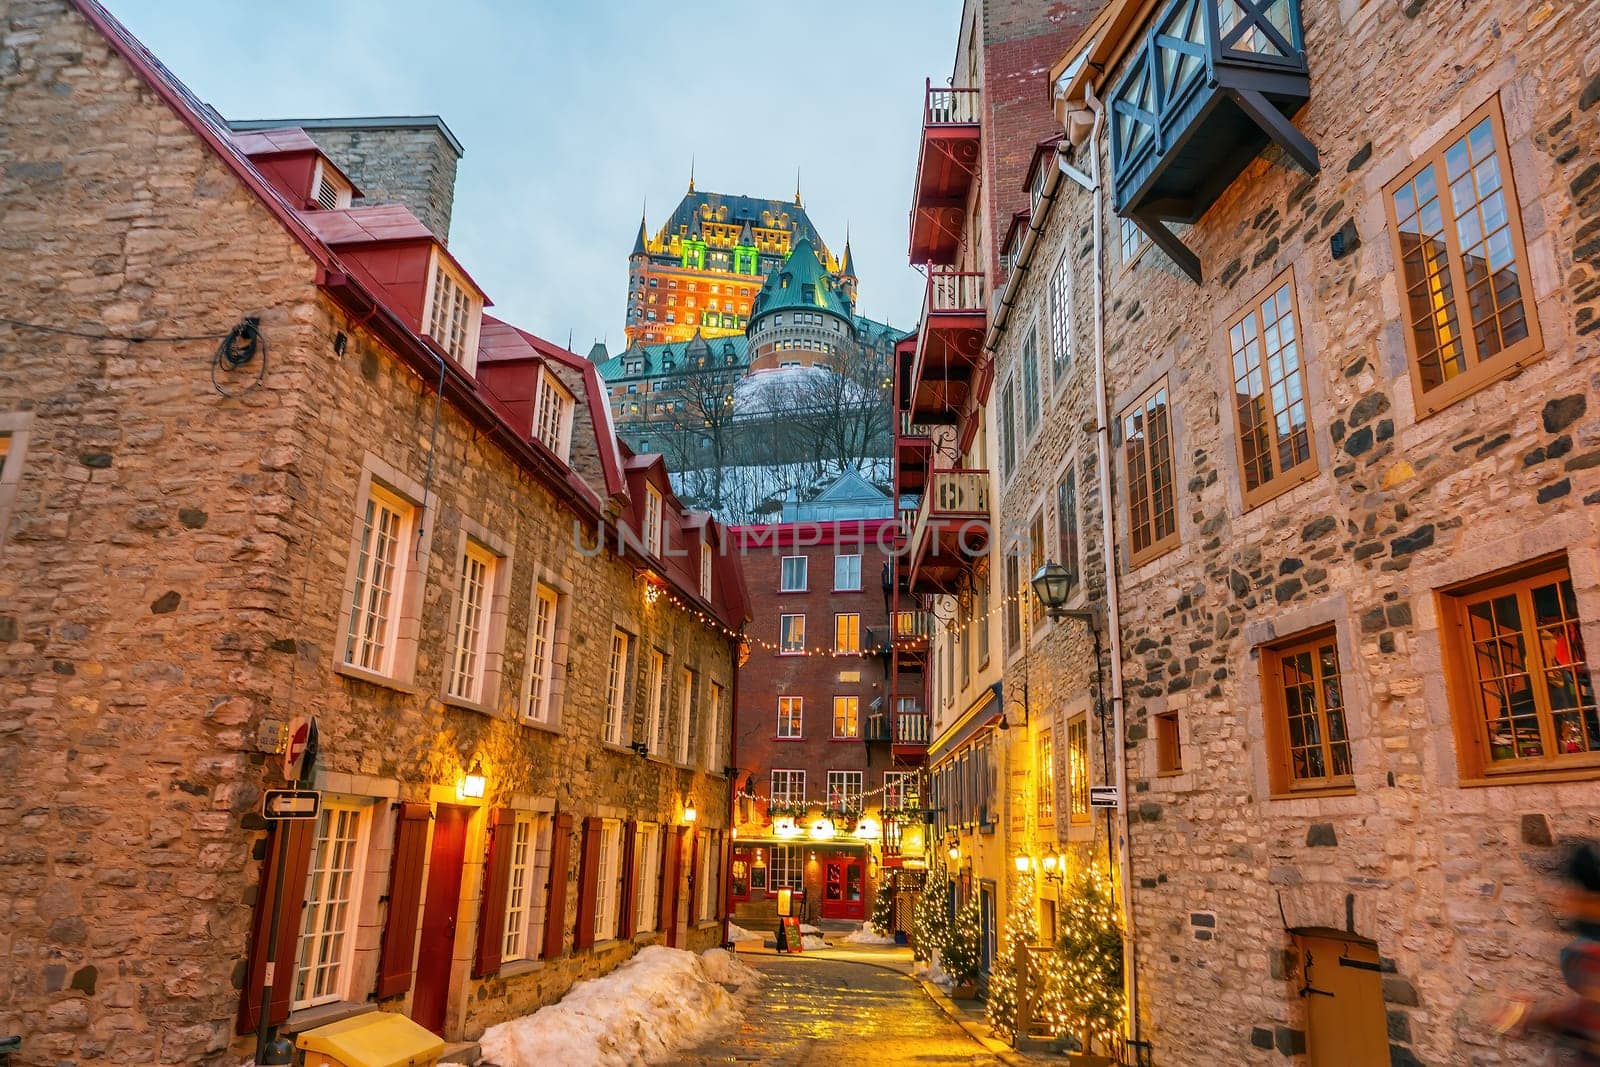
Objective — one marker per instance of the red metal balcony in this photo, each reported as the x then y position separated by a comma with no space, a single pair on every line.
913,455
947,165
911,729
951,531
950,373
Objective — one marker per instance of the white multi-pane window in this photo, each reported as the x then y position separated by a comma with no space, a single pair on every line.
791,634
792,578
328,918
616,678
525,886
652,520
786,868
1030,383
846,716
686,704
847,572
1132,240
655,721
844,790
552,422
647,875
472,623
790,716
788,787
715,756
607,874
1061,319
899,790
451,314
847,632
705,571
380,573
702,880
541,653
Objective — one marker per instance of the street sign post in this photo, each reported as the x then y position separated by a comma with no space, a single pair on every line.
291,804
1103,796
300,738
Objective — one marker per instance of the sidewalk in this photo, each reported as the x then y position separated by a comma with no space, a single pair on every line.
968,1014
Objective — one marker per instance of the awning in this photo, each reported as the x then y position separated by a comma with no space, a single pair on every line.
985,711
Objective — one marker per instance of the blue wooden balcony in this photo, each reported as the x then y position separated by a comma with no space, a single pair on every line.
1205,89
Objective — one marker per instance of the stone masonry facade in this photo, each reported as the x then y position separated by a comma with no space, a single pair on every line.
1444,868
176,583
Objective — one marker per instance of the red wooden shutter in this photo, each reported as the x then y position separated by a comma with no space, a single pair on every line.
625,892
293,838
496,878
672,861
588,892
396,958
692,913
555,905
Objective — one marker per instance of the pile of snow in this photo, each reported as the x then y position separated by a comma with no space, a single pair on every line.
661,1000
739,933
930,971
811,942
807,928
868,936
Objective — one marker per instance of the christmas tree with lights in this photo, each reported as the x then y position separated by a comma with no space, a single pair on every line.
1006,980
960,956
883,910
930,922
1083,992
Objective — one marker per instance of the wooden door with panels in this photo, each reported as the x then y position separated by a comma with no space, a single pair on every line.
1342,987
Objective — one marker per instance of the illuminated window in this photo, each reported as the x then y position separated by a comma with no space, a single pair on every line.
847,632
791,716
1078,769
791,634
788,789
844,791
1152,499
1269,395
846,716
331,906
1044,775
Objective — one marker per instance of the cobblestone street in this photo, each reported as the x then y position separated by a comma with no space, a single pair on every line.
827,1012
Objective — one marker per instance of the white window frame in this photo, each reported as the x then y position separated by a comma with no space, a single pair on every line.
652,520
705,572
794,783
791,710
790,860
324,177
851,562
785,648
553,408
784,583
647,874
372,630
526,886
1061,339
616,686
840,784
687,683
323,920
715,762
1131,240
846,698
607,877
450,292
655,722
543,613
1032,399
898,787
853,633
470,648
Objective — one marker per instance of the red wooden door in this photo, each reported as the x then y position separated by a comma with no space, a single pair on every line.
437,949
843,891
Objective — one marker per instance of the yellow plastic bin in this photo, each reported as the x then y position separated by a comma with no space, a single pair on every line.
376,1039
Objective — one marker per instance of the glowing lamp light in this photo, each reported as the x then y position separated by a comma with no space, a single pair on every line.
1023,863
1049,863
866,829
474,781
689,812
955,853
823,829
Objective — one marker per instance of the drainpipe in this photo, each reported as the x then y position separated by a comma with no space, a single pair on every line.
1109,554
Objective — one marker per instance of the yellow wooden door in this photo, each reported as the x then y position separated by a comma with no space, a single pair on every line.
1343,992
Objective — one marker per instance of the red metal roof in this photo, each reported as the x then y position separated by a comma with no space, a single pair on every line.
264,142
364,225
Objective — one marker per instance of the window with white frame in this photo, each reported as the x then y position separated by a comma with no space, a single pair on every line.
541,653
793,575
846,716
608,874
791,716
705,571
1061,319
847,632
791,635
525,886
716,757
647,875
788,787
553,417
1008,429
616,685
473,605
332,904
384,553
785,868
1132,240
1030,383
844,790
686,685
847,572
702,879
453,312
899,790
652,520
655,720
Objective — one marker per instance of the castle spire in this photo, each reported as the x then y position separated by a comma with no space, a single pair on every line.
691,174
641,242
797,187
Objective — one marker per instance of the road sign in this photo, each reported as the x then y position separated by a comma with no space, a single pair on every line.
1103,796
301,736
291,804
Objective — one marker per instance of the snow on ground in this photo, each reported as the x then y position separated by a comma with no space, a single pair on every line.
739,933
868,936
807,928
930,971
661,1000
811,942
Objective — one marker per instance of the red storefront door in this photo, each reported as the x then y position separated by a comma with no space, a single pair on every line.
843,891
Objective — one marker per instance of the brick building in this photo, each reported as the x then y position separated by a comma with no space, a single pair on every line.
373,504
1321,378
826,752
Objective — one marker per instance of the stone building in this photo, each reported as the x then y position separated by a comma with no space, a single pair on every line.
1345,355
826,755
370,503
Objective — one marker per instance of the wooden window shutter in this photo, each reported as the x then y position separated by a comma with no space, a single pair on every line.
396,957
588,895
555,908
496,877
692,912
625,890
294,838
671,859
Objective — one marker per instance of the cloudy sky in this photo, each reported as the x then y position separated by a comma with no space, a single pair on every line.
575,112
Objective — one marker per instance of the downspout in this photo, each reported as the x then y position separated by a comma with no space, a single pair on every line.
1109,554
733,790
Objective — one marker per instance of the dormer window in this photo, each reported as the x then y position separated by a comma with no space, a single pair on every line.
705,571
553,424
652,520
453,313
1036,193
328,189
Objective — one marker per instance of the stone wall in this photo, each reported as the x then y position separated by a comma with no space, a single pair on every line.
1449,878
174,586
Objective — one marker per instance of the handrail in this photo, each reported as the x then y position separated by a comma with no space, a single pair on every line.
955,290
951,492
949,105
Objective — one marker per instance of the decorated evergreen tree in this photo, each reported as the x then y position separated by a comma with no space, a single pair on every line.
930,923
1022,928
883,909
961,955
1083,982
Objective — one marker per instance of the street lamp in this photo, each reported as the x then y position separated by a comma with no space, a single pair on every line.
1052,584
473,782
